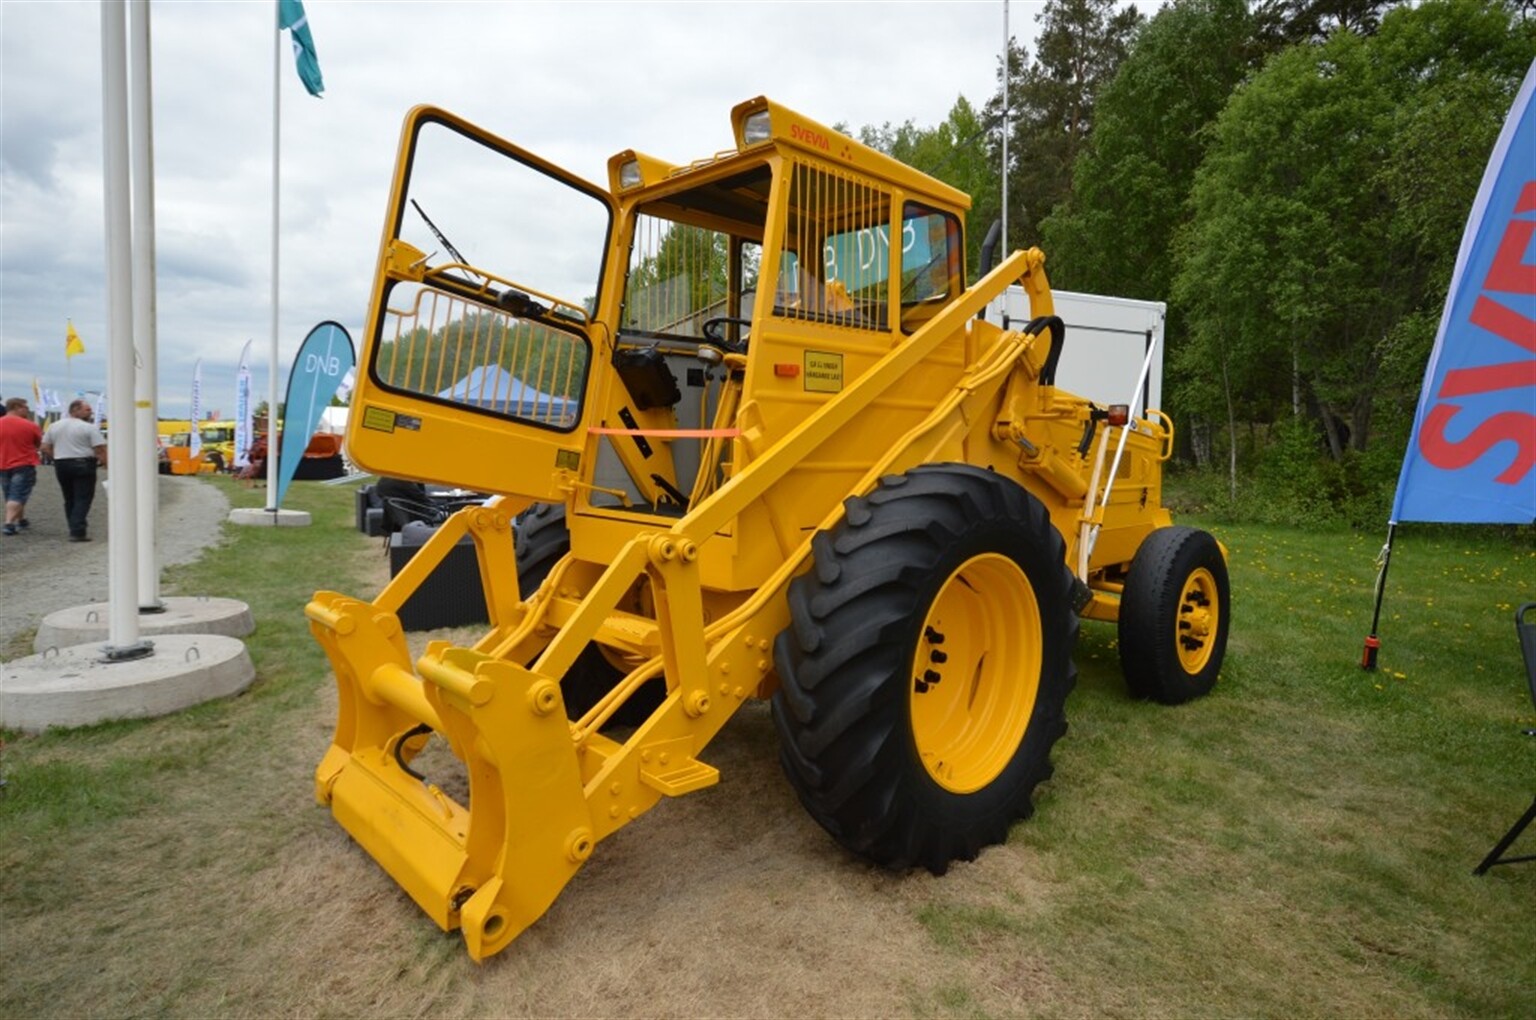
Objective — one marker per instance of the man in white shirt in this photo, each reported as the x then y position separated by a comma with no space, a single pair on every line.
77,448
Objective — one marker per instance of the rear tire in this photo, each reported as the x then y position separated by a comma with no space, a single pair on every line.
541,539
924,675
1174,615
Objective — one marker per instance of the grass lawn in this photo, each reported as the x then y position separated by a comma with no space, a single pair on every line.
1298,843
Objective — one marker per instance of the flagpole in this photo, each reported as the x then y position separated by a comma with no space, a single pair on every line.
277,136
1007,73
122,550
1372,642
141,121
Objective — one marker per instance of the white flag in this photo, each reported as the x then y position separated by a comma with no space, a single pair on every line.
243,409
195,441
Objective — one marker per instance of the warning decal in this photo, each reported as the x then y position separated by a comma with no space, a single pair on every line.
378,419
823,372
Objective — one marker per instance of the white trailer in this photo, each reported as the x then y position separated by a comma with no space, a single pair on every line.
1107,341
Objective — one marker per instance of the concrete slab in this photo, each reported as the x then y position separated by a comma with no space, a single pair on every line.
260,517
80,625
74,687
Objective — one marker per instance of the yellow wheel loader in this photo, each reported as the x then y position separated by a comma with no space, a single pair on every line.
748,437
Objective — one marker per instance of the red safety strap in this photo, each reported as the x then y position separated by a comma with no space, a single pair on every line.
668,433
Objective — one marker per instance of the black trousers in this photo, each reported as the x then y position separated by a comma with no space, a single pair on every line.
77,479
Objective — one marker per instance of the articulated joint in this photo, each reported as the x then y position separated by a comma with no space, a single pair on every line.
665,549
1012,432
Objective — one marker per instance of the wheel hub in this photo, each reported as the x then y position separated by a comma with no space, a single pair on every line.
975,673
1199,614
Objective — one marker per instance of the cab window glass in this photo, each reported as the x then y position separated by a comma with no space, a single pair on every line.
932,269
511,258
835,262
694,256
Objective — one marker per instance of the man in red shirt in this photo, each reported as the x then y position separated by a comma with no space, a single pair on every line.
19,440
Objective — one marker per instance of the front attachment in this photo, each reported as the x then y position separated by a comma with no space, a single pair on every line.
491,873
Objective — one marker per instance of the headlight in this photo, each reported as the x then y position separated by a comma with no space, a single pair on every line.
629,174
756,129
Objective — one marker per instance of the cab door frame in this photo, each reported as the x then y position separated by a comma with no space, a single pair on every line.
527,442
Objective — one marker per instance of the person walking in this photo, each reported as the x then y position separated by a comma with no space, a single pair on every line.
77,448
19,440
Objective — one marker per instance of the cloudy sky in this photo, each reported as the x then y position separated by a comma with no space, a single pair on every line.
574,82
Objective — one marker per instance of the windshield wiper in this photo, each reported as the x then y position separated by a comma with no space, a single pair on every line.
447,244
511,299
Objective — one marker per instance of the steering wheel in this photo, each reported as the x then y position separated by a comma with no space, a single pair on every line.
712,333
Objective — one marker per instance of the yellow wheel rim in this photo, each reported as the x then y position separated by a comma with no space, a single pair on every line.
1199,618
975,673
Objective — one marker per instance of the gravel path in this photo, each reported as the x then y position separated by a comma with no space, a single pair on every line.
41,571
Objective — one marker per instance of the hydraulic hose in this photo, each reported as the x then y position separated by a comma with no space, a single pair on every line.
989,256
1058,338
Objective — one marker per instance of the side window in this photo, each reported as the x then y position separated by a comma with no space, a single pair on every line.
835,261
694,256
932,269
679,278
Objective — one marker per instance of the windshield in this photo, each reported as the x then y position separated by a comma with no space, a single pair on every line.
514,256
467,202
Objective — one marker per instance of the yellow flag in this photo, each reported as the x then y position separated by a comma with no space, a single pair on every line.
72,343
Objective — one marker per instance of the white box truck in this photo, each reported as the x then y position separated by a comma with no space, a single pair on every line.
1107,342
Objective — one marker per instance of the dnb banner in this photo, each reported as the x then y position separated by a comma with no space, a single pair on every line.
324,359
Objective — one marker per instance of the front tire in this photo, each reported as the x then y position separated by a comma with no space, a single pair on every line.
924,676
1174,615
540,540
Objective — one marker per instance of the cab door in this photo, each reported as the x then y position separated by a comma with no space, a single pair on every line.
479,351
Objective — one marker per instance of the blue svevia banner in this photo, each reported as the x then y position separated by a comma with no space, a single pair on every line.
1472,455
324,359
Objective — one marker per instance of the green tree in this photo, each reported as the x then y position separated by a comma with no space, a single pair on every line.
957,151
1131,184
1280,23
1323,225
1052,99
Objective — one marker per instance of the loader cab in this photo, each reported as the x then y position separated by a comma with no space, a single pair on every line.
758,285
631,349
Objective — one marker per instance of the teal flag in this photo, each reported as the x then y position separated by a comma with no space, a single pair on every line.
290,14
